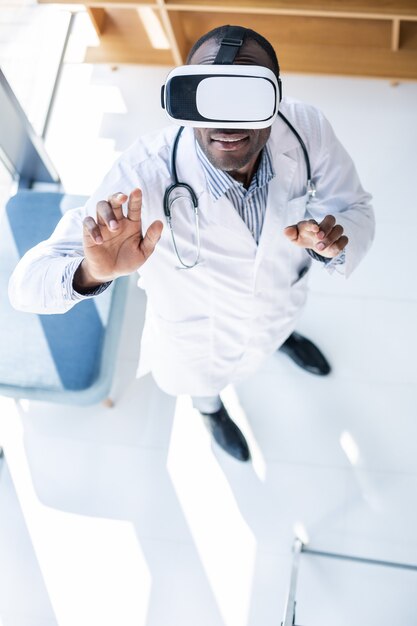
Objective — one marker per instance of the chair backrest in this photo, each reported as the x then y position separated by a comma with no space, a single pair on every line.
62,358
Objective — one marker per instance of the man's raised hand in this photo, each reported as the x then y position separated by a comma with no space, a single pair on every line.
113,243
326,238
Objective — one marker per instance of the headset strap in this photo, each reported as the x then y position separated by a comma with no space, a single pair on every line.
229,45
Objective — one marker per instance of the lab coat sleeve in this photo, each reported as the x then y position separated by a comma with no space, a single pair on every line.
42,280
340,193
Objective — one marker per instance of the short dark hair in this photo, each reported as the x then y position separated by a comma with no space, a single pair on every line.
249,35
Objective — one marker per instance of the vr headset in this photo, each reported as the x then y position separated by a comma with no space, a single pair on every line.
222,95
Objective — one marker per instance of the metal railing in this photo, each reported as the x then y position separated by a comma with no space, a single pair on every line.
298,548
23,148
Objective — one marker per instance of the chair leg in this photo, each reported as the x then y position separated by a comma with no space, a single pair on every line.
108,402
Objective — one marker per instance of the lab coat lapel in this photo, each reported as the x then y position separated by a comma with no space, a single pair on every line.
276,210
223,213
189,169
220,212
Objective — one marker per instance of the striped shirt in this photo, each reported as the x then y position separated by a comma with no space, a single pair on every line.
249,203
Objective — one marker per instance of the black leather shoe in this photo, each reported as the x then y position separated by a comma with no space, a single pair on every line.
303,352
227,434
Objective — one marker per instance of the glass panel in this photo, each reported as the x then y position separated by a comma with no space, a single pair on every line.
31,43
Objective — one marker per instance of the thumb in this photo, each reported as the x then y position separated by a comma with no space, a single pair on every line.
291,232
151,238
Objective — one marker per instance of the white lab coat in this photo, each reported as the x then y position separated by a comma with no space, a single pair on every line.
214,324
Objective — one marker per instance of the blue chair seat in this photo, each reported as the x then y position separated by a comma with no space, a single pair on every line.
68,357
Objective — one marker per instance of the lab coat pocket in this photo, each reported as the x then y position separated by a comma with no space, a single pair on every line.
183,340
181,355
299,287
302,273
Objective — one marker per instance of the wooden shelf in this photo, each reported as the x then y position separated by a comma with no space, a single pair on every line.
118,4
376,8
364,62
355,37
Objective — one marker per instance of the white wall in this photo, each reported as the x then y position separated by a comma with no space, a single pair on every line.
377,123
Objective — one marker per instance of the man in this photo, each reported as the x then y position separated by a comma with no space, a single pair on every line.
215,323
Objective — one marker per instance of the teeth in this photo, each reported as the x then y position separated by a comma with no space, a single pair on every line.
228,139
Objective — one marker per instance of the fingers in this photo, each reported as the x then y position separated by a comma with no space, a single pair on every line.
291,232
134,206
326,238
151,238
331,237
337,247
325,230
92,231
311,226
326,225
304,228
109,213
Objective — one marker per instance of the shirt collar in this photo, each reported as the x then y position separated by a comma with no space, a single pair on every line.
220,182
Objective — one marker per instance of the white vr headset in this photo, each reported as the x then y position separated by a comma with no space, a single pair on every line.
222,96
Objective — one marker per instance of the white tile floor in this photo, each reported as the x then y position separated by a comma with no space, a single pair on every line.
20,576
130,516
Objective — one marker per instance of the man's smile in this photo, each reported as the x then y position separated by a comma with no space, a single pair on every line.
229,141
233,150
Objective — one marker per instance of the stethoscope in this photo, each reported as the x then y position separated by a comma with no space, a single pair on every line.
177,186
169,202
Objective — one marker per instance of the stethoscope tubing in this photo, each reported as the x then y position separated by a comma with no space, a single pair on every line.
167,205
311,190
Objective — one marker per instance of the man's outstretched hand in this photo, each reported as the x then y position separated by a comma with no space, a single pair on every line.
326,238
113,243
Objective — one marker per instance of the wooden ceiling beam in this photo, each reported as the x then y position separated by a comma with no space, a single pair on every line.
174,31
98,17
395,35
